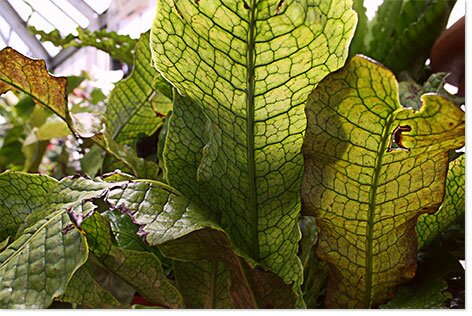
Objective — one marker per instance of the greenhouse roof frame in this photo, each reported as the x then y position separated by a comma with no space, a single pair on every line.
47,15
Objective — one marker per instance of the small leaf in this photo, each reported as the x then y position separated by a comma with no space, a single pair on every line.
91,162
53,128
73,82
141,269
371,168
118,46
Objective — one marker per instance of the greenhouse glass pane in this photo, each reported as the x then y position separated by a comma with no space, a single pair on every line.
54,15
72,12
23,9
99,6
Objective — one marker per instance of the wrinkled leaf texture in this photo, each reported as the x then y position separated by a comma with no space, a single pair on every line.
371,168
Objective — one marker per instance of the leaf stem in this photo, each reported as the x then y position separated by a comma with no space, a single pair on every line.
254,248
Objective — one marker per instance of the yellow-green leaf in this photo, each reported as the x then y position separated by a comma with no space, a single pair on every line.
452,208
371,168
246,69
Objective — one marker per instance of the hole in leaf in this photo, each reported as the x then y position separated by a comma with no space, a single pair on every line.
396,138
279,7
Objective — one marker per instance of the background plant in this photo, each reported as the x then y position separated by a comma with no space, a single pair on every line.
208,213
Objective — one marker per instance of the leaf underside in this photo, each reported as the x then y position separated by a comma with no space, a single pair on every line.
233,146
371,168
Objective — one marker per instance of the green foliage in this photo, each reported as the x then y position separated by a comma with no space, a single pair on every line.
120,47
402,33
209,127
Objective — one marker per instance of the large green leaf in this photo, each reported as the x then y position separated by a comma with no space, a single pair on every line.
36,267
403,32
452,208
371,168
246,69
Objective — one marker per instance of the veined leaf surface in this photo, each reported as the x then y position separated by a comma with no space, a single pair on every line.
247,68
32,77
184,232
203,285
371,168
19,198
129,111
36,267
84,290
452,208
141,269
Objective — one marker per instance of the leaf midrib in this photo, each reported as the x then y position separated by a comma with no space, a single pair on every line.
372,207
250,98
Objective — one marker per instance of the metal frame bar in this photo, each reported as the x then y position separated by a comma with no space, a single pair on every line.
19,26
64,54
67,13
84,8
